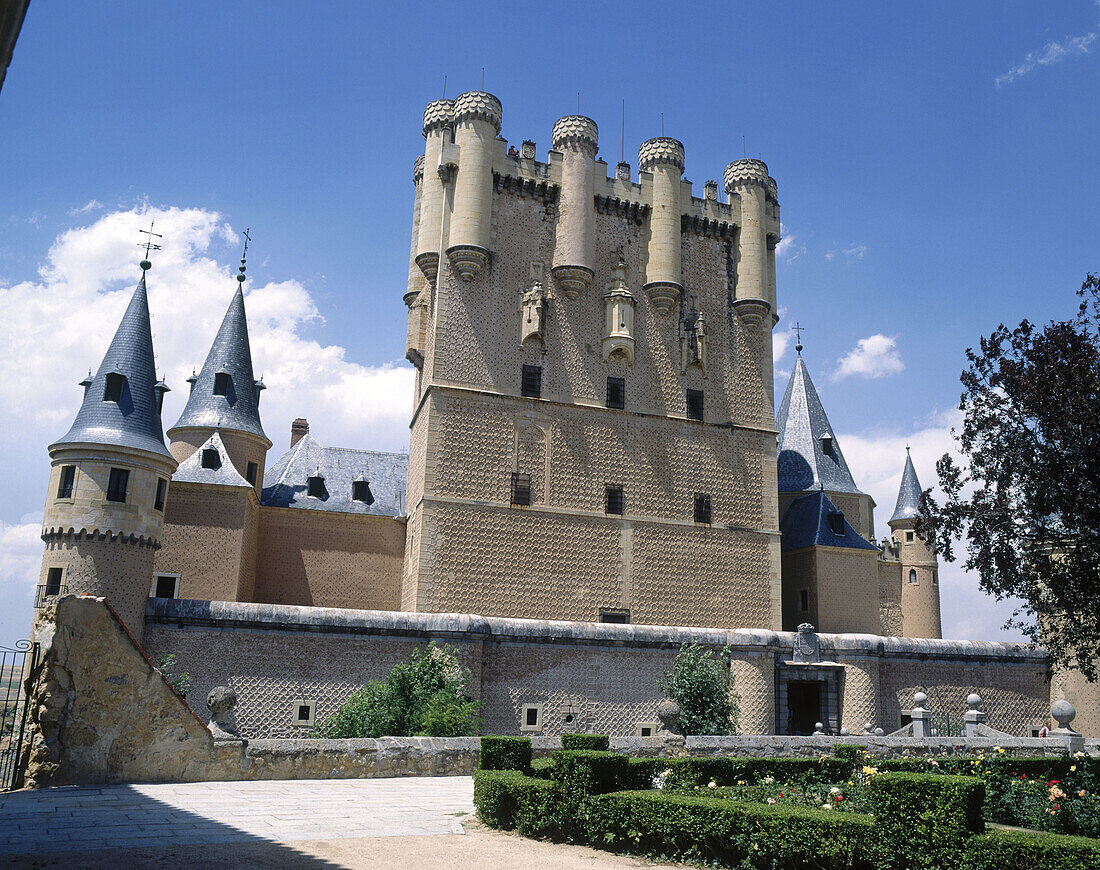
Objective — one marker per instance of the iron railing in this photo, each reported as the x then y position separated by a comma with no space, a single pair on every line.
16,665
45,592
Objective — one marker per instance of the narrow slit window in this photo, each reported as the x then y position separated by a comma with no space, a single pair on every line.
162,489
613,498
65,484
211,458
935,579
803,600
695,404
614,615
315,486
913,576
113,388
702,508
521,489
117,484
360,491
531,384
221,384
250,472
616,393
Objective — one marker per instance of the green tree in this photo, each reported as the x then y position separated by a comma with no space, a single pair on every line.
701,683
425,697
1027,501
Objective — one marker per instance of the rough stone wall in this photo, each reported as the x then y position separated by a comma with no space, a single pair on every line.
1085,696
847,590
329,559
889,599
206,541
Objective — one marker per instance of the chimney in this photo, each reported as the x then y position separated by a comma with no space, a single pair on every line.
298,428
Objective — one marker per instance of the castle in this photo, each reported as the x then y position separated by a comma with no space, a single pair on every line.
595,456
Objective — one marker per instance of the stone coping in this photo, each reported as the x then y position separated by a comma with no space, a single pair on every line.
247,616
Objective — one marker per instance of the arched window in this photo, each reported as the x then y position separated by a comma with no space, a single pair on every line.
912,575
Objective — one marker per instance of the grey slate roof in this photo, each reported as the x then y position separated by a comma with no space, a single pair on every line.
226,474
230,353
806,524
908,505
285,482
134,421
801,423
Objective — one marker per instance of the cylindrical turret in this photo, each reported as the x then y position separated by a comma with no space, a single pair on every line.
477,117
577,138
414,336
920,581
437,125
749,180
664,158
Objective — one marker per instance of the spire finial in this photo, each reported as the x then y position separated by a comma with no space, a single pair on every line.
244,254
149,245
798,327
907,449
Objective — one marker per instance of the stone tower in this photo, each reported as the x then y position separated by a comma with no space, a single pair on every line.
109,482
920,581
593,429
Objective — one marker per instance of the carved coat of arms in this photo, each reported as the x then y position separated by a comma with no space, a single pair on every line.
807,647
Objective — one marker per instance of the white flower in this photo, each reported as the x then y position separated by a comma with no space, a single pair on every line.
834,790
768,780
771,800
712,784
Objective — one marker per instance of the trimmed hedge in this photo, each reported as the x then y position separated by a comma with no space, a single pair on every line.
1026,850
922,819
505,753
689,772
508,800
542,768
732,833
591,742
849,751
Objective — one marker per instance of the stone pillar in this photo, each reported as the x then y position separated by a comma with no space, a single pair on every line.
749,180
920,715
663,157
477,117
577,138
973,717
438,117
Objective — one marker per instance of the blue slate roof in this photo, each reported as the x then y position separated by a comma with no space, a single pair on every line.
134,420
803,463
239,409
806,524
286,482
191,469
908,505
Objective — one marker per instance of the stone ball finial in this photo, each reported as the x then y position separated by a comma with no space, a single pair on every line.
661,150
973,700
1063,712
879,732
668,714
868,727
819,728
437,115
221,700
746,172
577,133
920,699
478,106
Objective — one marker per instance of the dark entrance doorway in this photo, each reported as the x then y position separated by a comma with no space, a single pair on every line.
804,706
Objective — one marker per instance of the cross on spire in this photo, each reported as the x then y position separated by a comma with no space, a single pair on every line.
244,253
797,329
149,245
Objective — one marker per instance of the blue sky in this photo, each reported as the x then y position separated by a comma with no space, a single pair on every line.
936,162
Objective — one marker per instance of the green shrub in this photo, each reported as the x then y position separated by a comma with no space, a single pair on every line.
732,834
543,768
686,773
1026,850
592,742
581,775
849,751
923,820
505,753
424,696
701,683
508,800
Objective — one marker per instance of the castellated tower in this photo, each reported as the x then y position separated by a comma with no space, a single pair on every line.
920,582
593,434
109,482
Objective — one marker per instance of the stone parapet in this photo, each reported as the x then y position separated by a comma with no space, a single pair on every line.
744,172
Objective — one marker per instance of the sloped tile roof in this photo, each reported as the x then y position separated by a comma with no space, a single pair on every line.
191,469
806,524
908,505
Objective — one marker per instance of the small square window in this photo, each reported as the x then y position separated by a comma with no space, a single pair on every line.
162,489
521,489
616,393
65,484
114,387
315,486
303,713
166,586
530,717
117,484
803,600
250,472
53,581
222,382
702,508
614,615
909,537
646,729
695,404
613,499
360,491
836,523
531,385
211,458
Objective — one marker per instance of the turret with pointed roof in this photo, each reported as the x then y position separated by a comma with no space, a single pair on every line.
908,504
920,587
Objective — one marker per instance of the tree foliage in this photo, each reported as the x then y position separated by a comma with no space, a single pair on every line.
423,697
1028,501
701,683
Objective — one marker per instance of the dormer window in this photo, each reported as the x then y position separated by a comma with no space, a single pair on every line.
360,491
827,445
315,486
221,384
836,523
211,458
114,387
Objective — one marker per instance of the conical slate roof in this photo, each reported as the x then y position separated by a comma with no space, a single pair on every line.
802,424
908,505
238,410
133,420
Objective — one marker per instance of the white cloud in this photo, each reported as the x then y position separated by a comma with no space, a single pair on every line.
90,206
851,254
873,357
789,248
1051,53
780,341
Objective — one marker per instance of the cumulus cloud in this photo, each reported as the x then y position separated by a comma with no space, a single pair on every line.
1051,53
850,254
873,357
790,247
